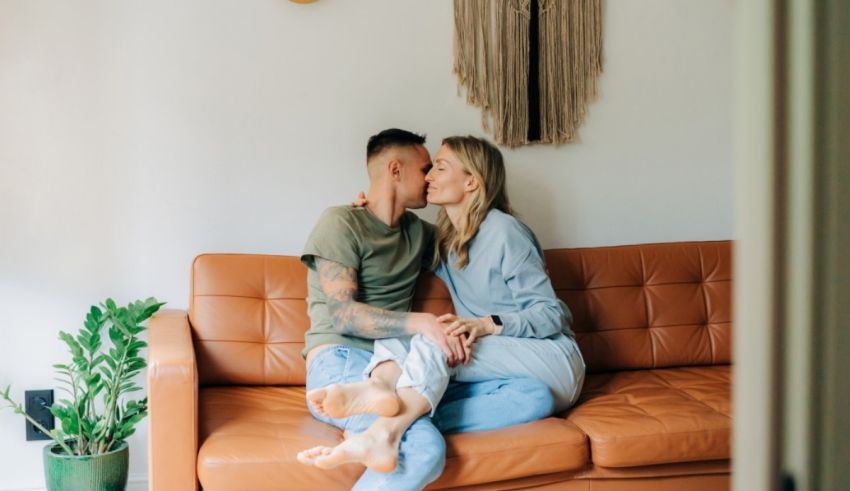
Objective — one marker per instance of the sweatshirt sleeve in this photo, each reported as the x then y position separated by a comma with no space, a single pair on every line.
540,314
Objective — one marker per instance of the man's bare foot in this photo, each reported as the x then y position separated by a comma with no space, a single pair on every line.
342,400
365,448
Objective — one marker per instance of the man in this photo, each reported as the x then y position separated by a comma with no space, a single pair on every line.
363,264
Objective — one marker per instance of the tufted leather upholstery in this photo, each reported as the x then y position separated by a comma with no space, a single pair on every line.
648,417
653,322
248,319
650,306
269,425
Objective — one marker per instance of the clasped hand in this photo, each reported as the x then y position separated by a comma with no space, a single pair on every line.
455,336
470,329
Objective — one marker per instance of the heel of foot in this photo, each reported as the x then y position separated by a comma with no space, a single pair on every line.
384,467
387,406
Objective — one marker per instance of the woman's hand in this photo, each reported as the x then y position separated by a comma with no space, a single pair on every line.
361,200
454,348
471,328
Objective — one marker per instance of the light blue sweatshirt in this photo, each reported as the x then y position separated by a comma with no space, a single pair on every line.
506,276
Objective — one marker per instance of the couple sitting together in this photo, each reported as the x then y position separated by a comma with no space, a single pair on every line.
396,380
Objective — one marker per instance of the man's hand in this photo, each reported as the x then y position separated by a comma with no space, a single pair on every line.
471,329
453,346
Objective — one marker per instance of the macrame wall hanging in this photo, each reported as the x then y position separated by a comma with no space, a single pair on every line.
530,65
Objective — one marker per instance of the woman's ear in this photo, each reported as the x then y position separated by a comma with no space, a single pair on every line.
471,184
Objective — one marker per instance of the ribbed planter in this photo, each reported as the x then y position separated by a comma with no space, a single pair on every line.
107,472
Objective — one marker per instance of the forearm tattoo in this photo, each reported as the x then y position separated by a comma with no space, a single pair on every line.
339,283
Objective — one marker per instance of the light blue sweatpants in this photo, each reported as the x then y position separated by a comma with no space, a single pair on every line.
556,361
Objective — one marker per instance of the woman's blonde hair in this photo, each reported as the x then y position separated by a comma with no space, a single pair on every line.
484,161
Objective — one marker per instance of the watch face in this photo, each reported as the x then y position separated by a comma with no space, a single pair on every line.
496,320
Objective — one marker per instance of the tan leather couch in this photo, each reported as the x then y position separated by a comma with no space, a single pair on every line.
226,381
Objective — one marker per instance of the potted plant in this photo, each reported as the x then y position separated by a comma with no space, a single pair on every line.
89,450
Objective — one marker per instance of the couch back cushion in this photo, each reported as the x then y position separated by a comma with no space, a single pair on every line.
644,306
248,317
649,305
248,314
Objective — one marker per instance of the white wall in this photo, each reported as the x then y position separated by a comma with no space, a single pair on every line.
137,134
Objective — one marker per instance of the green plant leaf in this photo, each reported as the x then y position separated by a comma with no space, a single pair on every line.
96,414
117,338
97,389
94,319
88,426
93,379
137,345
149,307
76,349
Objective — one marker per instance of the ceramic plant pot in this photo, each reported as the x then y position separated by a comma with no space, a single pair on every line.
106,472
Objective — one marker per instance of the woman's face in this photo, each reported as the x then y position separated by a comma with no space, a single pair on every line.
448,183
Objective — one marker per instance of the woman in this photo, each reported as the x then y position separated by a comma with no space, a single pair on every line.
507,311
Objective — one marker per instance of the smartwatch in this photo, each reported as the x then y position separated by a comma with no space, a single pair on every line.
496,319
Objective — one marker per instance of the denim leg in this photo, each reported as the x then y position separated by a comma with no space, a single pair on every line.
421,459
492,404
422,450
339,365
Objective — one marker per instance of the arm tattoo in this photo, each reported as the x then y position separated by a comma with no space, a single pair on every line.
339,283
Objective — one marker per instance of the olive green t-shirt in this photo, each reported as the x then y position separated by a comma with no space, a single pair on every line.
387,260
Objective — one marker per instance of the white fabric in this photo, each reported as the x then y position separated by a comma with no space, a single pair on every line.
556,361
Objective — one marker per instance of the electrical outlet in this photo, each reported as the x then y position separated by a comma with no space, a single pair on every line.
37,404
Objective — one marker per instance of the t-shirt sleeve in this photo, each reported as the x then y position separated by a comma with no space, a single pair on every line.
332,238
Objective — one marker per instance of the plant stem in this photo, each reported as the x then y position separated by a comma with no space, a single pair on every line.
112,401
80,439
89,409
20,410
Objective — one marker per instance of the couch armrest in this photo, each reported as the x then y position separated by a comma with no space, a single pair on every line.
172,403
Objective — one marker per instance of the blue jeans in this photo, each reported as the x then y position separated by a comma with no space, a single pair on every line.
475,406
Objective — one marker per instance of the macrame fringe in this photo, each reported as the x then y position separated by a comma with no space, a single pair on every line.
491,49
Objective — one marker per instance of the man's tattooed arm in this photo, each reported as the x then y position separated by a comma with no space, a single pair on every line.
355,318
358,319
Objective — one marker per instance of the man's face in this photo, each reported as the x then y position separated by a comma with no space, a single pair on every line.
413,188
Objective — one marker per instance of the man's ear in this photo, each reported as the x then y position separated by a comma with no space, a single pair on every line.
394,169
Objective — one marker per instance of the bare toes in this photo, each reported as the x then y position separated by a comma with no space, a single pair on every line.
310,455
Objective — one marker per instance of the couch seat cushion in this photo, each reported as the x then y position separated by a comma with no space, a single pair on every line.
659,416
540,447
249,437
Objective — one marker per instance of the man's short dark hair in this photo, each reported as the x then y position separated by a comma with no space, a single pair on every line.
392,137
